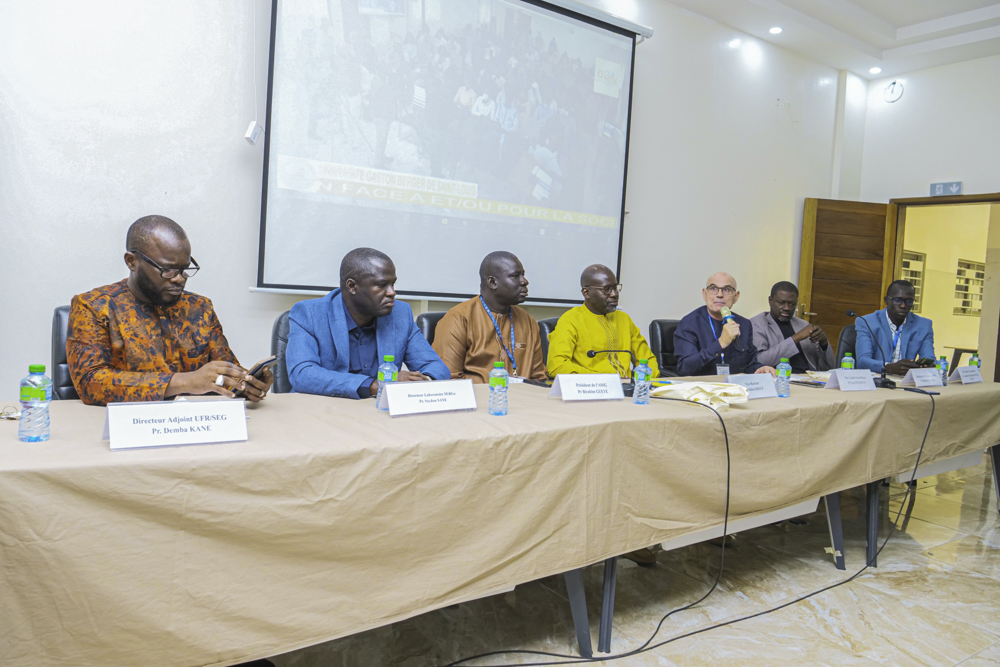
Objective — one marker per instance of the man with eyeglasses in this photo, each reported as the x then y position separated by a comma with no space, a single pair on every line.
778,334
145,338
705,344
597,325
904,338
491,327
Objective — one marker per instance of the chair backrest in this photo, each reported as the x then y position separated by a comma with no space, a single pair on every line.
846,342
279,341
62,383
427,323
661,342
545,328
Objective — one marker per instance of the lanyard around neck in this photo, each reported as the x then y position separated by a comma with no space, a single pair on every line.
510,314
711,327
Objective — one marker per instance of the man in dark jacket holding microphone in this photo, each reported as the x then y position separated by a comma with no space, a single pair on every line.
712,340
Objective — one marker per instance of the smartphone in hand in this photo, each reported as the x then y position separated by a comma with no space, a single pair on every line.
257,371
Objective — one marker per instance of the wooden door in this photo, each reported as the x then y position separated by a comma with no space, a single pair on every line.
847,261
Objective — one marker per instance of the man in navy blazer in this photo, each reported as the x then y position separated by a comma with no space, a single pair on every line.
902,336
336,343
702,342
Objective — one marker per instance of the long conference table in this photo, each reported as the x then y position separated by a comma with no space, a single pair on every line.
335,518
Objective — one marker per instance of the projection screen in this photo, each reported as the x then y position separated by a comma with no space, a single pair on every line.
438,131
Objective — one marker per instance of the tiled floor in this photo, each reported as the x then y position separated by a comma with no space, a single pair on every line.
934,599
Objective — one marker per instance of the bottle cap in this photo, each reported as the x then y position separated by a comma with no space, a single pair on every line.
497,364
389,357
642,361
36,368
784,360
848,354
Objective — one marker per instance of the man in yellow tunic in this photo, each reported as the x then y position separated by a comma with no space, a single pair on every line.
597,325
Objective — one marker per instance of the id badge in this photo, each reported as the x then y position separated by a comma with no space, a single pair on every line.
722,369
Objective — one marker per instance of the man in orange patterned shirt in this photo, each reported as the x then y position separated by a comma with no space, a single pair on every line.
145,338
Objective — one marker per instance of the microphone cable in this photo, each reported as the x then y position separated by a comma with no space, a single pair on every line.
648,645
575,659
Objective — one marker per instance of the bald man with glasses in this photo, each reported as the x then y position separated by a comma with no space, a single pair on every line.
706,345
145,338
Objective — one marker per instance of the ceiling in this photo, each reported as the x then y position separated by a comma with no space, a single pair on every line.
895,35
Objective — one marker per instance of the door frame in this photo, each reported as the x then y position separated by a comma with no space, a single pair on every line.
896,219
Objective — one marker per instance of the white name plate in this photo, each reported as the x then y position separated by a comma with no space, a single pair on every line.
853,379
172,423
968,375
923,377
596,387
412,398
760,385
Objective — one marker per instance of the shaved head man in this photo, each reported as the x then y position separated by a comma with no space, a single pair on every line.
778,334
597,325
491,327
145,338
707,342
336,343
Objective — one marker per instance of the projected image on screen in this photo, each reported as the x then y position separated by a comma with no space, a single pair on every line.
439,131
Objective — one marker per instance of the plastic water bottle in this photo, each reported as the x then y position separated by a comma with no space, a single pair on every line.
848,361
784,381
36,394
976,361
642,375
387,373
499,379
942,366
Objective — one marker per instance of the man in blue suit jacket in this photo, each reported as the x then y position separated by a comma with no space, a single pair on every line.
702,342
336,343
902,337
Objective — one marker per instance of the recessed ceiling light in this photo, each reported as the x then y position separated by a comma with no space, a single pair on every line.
734,43
775,30
875,70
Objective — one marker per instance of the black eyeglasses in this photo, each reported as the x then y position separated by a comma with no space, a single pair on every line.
607,289
170,274
725,289
899,301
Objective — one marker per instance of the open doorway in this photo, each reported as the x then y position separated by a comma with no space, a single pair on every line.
951,253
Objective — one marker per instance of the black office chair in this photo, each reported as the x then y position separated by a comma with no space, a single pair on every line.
661,342
427,323
279,341
545,329
848,339
62,383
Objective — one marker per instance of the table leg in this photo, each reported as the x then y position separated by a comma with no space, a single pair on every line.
872,522
836,529
578,606
607,605
956,359
995,459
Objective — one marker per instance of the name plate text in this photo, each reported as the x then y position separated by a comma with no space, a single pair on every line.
173,423
923,377
588,387
967,374
759,385
855,379
412,398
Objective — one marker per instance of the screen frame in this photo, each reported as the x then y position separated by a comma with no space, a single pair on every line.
416,294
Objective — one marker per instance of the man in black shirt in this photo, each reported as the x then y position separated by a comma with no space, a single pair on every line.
779,334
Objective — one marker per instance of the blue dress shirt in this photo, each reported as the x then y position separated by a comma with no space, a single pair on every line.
364,352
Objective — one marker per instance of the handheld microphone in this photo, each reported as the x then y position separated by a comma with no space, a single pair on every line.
883,382
727,317
626,386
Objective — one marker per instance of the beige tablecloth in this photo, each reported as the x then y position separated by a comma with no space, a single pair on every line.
334,518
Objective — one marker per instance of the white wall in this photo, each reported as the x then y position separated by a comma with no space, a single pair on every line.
944,128
111,109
